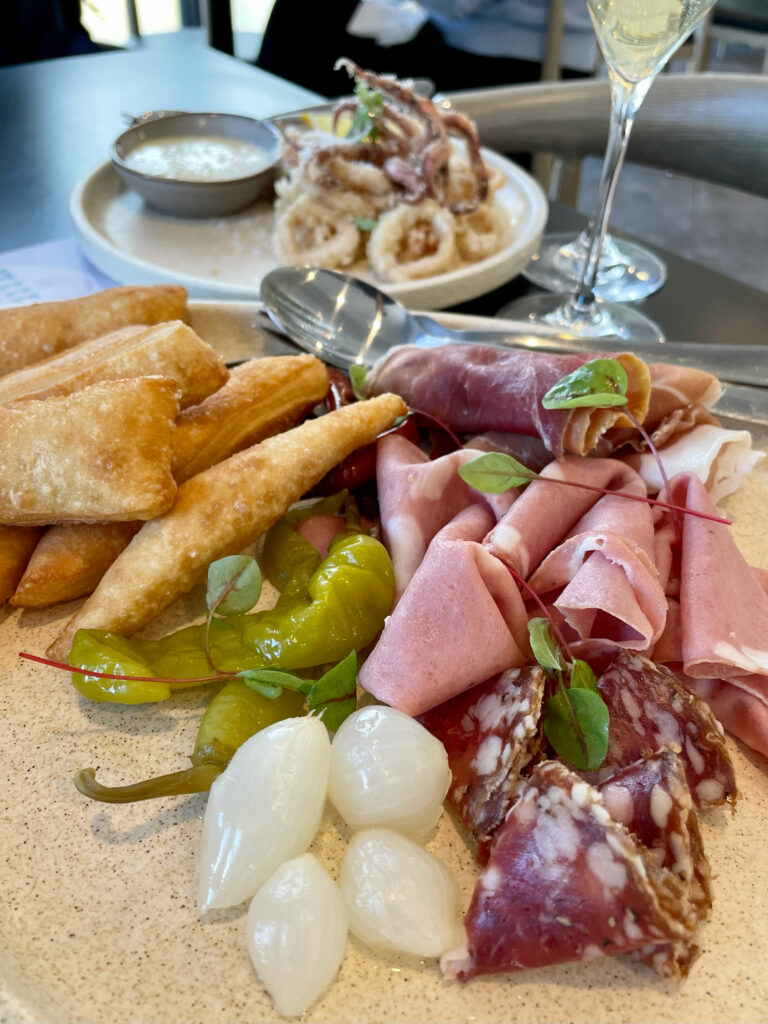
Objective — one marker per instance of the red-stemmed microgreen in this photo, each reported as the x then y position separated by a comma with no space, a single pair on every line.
188,681
599,384
496,472
576,718
233,587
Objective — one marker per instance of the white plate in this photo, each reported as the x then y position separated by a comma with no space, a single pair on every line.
227,257
97,915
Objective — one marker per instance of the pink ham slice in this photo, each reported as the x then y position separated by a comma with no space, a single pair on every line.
652,799
650,709
460,621
608,585
477,387
565,881
417,498
491,734
546,512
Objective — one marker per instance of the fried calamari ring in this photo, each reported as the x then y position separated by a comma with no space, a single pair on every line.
413,241
309,232
482,233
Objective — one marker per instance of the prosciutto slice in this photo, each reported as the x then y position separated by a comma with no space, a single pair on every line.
417,498
460,621
652,799
650,709
566,881
478,387
491,734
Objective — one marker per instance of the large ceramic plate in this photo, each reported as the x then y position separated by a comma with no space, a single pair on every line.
227,257
97,915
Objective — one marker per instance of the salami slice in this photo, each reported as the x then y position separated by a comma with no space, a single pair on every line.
652,799
649,709
565,881
491,733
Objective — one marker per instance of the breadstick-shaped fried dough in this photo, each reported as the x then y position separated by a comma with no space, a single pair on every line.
16,546
221,511
261,398
101,454
164,350
31,333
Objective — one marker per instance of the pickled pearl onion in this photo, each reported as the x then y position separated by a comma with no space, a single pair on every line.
399,897
264,808
387,770
297,933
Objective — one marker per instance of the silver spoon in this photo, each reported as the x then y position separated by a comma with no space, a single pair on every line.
344,320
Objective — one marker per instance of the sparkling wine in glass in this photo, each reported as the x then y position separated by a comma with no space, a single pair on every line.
636,38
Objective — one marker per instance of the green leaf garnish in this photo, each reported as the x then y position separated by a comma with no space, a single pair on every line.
370,103
495,472
544,647
598,383
357,374
334,696
576,723
234,585
582,676
366,223
270,682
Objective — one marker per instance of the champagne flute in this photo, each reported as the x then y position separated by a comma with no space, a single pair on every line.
636,38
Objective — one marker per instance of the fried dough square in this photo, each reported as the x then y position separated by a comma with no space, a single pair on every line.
98,455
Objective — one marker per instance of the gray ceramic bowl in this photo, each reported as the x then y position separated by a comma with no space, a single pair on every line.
198,198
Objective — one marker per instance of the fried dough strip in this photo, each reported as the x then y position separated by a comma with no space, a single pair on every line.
31,333
262,397
220,512
101,454
165,350
16,546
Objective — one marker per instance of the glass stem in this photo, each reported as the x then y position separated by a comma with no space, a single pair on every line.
625,102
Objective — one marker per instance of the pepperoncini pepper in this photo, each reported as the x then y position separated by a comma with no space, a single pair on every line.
347,598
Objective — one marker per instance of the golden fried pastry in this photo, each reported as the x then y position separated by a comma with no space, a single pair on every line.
101,454
166,350
262,397
220,512
16,546
31,333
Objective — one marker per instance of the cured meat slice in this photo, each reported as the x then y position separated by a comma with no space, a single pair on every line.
490,733
610,587
546,512
720,458
565,881
479,387
741,712
649,709
652,799
417,498
460,621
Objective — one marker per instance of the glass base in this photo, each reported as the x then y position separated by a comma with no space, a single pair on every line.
627,272
597,319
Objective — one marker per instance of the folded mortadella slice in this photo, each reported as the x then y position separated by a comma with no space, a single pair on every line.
478,387
604,577
418,497
546,512
460,621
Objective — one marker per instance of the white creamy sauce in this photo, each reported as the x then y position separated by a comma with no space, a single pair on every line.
209,158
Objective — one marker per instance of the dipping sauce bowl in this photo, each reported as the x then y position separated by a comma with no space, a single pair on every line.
198,165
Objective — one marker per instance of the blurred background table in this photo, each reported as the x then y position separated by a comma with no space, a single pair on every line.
59,118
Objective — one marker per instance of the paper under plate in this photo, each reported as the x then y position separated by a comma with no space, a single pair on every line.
97,917
227,257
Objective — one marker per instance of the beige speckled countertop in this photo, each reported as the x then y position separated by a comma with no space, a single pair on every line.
97,916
